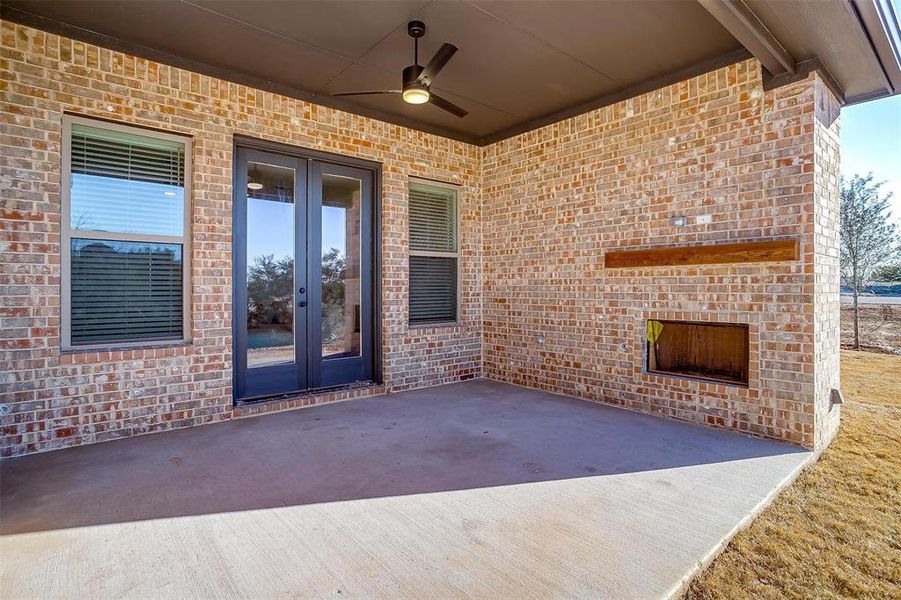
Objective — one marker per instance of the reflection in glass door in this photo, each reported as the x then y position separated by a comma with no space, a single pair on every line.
270,265
303,274
340,266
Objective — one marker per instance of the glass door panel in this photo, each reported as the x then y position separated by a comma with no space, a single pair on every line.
340,266
270,265
270,321
341,338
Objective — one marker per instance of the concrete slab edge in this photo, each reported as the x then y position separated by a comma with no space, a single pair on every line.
681,588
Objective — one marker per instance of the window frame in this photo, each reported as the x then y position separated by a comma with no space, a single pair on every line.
457,256
67,234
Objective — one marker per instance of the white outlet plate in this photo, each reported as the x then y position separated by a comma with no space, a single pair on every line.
703,219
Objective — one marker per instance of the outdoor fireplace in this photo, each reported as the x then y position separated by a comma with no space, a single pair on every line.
710,351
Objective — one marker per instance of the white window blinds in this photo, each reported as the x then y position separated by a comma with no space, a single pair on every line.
434,254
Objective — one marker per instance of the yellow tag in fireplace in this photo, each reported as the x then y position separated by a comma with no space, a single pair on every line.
654,329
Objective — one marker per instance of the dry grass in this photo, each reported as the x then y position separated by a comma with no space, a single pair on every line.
835,532
880,327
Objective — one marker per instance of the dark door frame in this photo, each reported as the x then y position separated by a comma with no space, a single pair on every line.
310,155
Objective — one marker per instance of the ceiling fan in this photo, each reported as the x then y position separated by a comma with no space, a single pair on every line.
418,79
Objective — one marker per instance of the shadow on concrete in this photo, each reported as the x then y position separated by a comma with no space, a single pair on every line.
461,436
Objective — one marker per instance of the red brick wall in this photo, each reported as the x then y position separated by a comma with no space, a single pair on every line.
555,199
538,212
60,400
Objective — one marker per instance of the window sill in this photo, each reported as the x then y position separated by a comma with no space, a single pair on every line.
421,326
127,347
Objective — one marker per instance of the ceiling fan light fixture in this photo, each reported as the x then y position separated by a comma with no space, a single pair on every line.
417,79
253,185
416,95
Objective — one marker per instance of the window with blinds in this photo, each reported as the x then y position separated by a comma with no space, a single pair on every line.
434,254
126,183
125,237
125,291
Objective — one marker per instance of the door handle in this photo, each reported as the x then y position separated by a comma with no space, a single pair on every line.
302,304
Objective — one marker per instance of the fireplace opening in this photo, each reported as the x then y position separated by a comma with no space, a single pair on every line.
712,351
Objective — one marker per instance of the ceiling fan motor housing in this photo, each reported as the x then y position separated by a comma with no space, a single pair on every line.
411,73
415,91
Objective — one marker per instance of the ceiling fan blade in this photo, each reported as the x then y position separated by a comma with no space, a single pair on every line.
366,93
447,105
444,54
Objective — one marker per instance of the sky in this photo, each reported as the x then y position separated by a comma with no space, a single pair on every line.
270,229
871,141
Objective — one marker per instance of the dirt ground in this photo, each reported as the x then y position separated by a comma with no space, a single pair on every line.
880,327
836,531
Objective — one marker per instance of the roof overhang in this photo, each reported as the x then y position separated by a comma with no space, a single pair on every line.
521,65
879,21
854,44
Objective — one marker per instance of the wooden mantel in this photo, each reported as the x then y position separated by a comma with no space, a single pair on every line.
709,254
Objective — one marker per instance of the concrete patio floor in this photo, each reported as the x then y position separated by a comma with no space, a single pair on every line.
475,489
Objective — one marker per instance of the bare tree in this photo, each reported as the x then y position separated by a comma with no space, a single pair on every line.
868,237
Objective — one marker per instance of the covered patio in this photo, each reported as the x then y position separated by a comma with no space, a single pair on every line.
469,489
564,257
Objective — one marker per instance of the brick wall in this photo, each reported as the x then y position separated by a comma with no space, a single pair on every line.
62,400
555,199
538,212
827,307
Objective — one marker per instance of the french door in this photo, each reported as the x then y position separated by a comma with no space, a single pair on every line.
303,296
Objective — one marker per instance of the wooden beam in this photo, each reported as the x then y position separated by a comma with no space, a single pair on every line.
748,29
711,254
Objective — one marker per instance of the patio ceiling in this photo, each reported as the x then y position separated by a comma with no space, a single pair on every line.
521,64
